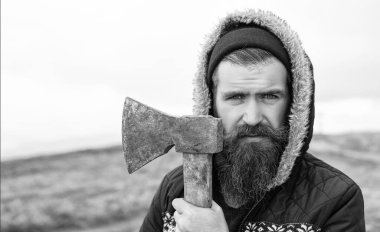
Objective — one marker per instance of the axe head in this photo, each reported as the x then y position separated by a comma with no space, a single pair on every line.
149,133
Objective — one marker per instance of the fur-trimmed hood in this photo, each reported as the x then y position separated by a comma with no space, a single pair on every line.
302,109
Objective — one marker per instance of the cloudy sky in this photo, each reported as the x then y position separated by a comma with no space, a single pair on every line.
66,66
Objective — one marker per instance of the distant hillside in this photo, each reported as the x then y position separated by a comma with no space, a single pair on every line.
92,191
367,142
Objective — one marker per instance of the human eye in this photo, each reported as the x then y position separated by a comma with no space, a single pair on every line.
270,96
234,98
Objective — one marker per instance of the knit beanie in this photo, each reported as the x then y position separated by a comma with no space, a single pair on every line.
246,37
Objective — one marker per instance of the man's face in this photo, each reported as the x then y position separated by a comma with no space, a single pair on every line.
253,103
251,95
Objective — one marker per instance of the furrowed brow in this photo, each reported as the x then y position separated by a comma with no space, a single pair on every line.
234,93
273,91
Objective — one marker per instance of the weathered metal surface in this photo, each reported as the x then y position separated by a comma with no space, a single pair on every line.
197,177
198,134
149,133
145,134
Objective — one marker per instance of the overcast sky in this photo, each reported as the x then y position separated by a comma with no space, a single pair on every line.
66,66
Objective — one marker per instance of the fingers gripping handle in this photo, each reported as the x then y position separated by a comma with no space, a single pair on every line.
198,179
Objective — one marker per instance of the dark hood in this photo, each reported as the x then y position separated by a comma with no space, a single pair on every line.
301,115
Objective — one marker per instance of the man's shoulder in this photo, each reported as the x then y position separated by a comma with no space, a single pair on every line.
318,194
319,185
314,193
173,181
175,175
171,188
317,172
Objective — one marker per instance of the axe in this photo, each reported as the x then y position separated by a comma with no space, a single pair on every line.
149,133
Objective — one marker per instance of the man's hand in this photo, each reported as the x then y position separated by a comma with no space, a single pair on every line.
190,218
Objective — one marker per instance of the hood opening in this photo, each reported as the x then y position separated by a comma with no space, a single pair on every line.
301,112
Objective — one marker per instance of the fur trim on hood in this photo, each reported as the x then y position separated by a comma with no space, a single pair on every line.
302,109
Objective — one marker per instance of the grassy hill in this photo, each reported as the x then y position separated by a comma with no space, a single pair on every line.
92,191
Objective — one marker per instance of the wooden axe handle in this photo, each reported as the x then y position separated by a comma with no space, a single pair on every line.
197,174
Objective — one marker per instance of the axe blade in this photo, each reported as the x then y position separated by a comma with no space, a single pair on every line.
149,133
145,134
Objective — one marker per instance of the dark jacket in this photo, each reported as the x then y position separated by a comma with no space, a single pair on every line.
316,197
306,194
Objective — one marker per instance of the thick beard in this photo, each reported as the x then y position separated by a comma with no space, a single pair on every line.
244,168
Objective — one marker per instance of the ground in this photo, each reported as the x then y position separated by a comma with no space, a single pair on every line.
91,191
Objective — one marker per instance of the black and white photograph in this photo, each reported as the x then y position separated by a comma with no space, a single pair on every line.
190,116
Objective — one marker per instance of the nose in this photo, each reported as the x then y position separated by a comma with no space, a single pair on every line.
252,114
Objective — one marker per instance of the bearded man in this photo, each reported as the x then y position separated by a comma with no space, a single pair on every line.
256,77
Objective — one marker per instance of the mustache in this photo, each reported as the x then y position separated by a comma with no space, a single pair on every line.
259,130
278,138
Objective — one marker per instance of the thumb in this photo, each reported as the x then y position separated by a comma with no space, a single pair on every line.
181,205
